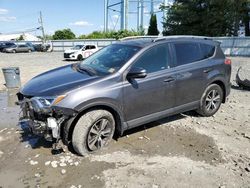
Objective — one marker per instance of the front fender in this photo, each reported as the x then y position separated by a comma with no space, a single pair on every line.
108,104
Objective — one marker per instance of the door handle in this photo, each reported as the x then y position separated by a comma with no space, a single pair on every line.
169,79
208,70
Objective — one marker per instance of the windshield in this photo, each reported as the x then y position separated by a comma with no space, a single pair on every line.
110,59
77,47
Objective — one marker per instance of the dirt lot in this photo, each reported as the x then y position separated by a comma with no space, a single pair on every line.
181,151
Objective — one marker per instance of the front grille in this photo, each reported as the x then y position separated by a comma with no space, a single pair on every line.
66,55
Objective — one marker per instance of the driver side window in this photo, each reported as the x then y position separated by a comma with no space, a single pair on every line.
154,59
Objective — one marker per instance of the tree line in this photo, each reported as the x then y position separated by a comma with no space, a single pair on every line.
207,17
186,17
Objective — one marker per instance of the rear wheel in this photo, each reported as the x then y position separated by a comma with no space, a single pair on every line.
93,131
211,100
29,51
14,51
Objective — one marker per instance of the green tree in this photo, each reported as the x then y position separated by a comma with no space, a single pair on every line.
242,15
47,37
152,29
20,38
200,17
111,34
63,34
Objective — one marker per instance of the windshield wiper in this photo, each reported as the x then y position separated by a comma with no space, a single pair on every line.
87,69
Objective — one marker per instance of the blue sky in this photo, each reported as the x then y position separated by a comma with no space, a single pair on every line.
81,16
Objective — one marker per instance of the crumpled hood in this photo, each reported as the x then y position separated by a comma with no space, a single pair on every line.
56,82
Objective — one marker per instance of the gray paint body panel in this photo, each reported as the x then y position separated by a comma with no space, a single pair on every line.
136,101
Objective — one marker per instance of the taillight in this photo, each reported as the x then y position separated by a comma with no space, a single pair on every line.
228,62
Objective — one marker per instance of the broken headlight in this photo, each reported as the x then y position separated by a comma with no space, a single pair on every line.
46,101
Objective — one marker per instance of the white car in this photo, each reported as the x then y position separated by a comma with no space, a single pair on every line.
80,52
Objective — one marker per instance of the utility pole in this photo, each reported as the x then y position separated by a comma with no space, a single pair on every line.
165,3
139,15
42,28
106,4
142,14
152,7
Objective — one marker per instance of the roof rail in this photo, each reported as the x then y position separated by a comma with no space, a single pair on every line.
160,38
138,37
181,36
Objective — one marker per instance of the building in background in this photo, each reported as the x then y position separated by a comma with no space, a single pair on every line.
15,37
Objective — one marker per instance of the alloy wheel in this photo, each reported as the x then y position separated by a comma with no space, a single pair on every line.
99,134
213,100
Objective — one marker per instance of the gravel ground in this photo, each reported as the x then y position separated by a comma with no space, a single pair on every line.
30,64
180,151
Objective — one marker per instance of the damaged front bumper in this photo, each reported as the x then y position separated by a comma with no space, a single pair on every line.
42,118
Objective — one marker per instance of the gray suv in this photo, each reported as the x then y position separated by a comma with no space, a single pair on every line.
124,85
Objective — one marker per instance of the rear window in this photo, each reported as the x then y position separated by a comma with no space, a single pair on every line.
187,52
207,50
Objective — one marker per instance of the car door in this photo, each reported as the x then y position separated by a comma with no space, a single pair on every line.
90,49
143,98
93,49
25,48
22,48
189,67
18,48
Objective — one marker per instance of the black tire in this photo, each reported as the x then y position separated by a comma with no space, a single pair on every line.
14,51
29,51
88,135
66,131
79,57
211,100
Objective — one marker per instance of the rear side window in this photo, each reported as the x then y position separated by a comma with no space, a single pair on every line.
187,52
154,59
207,50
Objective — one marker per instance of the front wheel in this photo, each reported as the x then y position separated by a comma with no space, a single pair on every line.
79,57
93,131
211,100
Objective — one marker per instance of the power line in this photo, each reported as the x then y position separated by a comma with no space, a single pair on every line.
24,30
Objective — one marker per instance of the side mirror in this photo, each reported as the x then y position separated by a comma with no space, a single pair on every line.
136,72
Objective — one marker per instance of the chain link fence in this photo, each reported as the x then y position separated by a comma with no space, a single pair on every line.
232,46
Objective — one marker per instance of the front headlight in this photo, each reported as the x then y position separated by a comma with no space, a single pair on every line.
49,101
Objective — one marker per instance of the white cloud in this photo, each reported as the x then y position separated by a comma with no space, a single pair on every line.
81,23
115,16
7,18
3,11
